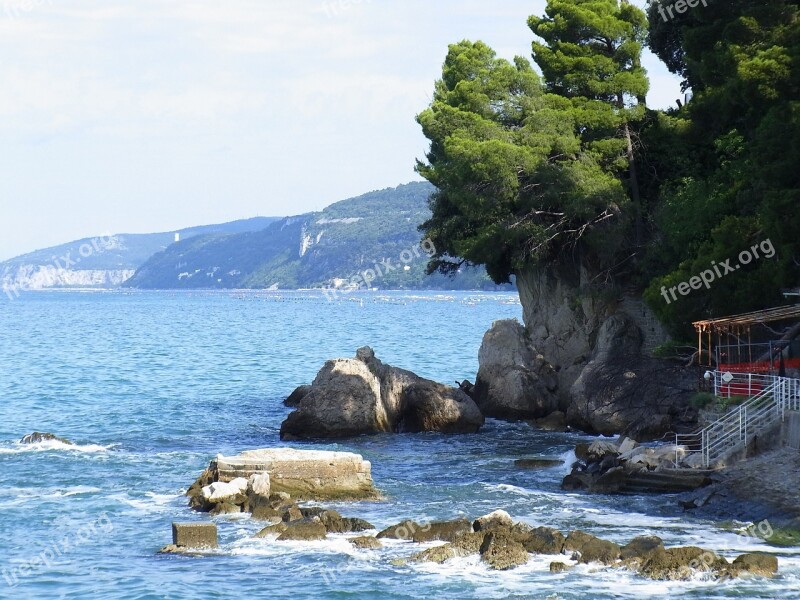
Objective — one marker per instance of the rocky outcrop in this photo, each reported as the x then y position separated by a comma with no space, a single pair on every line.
38,437
362,395
503,544
255,480
587,354
621,391
502,552
608,468
494,520
514,381
366,542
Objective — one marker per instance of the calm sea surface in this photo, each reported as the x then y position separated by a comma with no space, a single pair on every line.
152,385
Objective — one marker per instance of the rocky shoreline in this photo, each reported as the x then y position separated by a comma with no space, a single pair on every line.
762,488
364,396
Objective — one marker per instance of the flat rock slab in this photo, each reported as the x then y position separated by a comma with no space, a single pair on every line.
537,463
303,474
194,535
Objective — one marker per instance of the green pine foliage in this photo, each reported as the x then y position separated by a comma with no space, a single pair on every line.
566,164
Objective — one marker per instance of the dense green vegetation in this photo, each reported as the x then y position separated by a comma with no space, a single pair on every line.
570,166
374,235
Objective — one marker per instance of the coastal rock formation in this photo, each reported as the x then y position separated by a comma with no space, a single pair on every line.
502,552
357,396
514,381
262,481
506,545
621,391
494,520
598,350
607,468
37,438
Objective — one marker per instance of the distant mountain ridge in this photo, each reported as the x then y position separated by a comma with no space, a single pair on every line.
368,241
103,261
371,241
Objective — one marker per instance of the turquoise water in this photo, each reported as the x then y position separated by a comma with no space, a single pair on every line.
151,386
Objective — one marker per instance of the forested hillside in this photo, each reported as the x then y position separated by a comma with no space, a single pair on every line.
373,236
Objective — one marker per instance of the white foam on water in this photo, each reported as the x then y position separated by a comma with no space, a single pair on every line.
569,459
150,503
268,546
595,580
510,489
71,491
54,446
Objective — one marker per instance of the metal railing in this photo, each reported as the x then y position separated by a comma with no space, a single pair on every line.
740,384
734,430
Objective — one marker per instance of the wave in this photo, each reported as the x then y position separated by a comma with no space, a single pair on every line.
53,446
150,502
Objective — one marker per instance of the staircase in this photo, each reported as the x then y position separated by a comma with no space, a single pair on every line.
736,429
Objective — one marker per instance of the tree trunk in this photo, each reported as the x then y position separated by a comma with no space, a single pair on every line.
634,178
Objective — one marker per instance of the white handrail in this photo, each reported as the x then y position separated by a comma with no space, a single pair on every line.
737,427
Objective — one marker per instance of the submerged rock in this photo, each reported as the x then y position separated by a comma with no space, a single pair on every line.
304,531
559,567
544,540
556,421
363,395
504,546
640,547
366,542
334,522
437,554
537,463
38,437
404,530
514,381
276,529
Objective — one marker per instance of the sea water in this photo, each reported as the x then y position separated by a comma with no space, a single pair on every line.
151,385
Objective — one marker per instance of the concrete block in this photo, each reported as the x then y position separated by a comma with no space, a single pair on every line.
194,535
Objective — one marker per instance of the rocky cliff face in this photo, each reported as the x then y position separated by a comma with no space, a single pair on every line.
17,279
599,348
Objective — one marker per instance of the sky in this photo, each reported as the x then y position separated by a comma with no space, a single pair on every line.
154,115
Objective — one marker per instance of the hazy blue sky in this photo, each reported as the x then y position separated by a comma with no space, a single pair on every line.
152,115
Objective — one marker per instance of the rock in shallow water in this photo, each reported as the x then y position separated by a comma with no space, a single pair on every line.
537,463
303,474
514,381
38,437
757,563
591,548
493,520
303,531
501,552
366,543
360,396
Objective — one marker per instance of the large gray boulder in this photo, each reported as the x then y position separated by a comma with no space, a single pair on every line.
362,395
514,381
623,391
601,342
